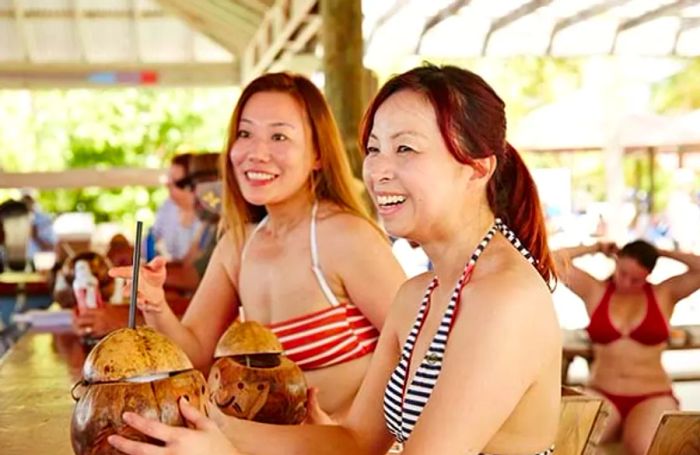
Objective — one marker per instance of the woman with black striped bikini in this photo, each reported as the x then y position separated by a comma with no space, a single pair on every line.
471,367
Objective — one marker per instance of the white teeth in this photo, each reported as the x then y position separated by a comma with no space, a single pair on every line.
259,176
390,199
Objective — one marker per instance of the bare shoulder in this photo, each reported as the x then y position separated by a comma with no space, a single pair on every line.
410,295
347,230
509,291
227,254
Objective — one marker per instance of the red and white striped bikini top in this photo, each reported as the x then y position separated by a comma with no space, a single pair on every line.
334,335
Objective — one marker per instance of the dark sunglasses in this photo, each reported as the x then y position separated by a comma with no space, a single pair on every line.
183,183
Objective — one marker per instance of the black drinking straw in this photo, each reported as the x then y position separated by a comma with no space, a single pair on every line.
135,275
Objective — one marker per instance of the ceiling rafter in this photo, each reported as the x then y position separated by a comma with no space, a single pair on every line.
687,23
446,12
283,22
33,13
507,19
585,14
136,18
384,18
664,10
226,29
80,30
22,30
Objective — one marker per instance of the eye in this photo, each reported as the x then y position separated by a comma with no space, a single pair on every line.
404,149
278,137
371,150
243,134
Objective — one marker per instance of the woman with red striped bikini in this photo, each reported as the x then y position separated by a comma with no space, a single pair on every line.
299,253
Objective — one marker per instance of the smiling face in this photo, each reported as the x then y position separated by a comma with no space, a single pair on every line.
272,155
413,179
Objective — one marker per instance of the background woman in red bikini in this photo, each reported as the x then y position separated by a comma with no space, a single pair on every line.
299,253
629,329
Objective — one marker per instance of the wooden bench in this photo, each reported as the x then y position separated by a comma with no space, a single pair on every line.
678,433
581,420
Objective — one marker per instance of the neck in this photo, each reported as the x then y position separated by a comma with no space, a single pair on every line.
286,215
450,250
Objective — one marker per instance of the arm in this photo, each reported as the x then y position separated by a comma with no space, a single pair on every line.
361,255
493,359
579,281
213,306
212,309
681,286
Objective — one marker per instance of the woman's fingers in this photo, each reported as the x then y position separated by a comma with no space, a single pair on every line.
130,447
150,427
121,272
192,414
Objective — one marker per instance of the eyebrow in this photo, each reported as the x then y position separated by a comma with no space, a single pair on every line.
273,124
399,133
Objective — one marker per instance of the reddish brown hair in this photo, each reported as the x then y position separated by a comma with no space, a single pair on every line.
333,181
472,121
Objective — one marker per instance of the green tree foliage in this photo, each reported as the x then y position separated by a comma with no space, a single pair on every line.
679,93
98,129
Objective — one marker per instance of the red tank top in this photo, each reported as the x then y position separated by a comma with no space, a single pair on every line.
651,331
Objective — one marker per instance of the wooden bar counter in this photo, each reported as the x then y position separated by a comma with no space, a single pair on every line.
36,377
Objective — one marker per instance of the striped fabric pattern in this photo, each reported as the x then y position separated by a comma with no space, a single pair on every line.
328,337
404,401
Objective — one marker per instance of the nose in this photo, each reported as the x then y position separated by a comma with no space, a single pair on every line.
377,169
252,150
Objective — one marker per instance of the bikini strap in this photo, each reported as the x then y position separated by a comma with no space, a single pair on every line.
315,262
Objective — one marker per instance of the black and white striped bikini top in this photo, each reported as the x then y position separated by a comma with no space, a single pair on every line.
404,402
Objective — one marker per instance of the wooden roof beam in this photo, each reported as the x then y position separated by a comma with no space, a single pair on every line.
518,13
22,31
446,12
665,10
687,23
283,22
226,29
80,30
384,18
136,17
583,15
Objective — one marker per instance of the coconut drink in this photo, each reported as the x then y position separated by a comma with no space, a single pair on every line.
251,378
137,370
132,369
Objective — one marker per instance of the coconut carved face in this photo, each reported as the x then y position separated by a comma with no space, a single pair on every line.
137,370
252,380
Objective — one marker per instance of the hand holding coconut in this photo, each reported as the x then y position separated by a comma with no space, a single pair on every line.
202,437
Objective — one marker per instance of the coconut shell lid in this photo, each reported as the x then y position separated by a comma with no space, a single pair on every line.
246,338
131,353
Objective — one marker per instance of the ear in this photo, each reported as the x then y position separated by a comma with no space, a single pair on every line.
317,163
484,168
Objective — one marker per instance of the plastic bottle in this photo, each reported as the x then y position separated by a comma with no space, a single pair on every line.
86,288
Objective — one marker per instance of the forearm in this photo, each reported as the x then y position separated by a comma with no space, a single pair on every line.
252,438
167,323
691,260
564,256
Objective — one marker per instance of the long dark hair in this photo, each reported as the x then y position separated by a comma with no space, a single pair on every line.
472,121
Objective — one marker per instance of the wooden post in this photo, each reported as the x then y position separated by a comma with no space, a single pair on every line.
341,36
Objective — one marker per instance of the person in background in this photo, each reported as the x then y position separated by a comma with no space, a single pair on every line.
629,329
204,180
176,223
469,359
43,237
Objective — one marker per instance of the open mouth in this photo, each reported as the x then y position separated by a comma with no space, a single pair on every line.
390,200
258,176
